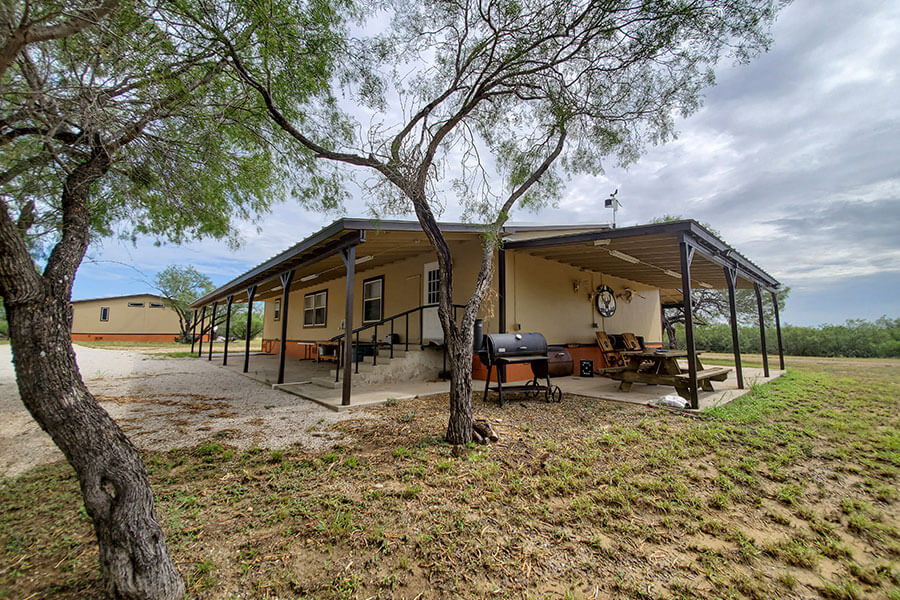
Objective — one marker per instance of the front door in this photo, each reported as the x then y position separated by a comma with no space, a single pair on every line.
431,323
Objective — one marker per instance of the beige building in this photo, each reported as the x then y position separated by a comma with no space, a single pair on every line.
134,318
547,279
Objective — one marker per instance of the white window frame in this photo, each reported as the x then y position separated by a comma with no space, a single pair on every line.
367,299
312,303
106,309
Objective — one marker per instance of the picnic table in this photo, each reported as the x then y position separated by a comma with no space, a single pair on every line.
661,367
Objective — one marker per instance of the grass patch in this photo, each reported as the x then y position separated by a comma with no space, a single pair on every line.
579,499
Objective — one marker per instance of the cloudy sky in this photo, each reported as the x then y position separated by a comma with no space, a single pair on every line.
794,159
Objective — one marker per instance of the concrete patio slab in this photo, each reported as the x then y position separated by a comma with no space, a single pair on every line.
300,373
605,388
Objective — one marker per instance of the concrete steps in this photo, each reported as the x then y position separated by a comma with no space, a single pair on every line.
405,365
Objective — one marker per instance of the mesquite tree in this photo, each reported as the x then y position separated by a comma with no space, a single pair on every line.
490,103
181,286
109,125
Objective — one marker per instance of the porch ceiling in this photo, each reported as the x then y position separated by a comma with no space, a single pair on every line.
316,257
651,255
385,247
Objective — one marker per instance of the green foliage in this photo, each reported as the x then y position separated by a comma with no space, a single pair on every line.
856,338
197,153
181,286
239,323
4,325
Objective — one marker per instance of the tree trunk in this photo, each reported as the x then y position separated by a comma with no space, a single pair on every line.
459,353
134,560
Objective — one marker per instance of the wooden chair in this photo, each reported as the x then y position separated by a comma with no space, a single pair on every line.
610,355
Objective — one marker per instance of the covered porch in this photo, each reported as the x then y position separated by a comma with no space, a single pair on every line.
674,258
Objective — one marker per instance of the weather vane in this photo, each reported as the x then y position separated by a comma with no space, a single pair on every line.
614,204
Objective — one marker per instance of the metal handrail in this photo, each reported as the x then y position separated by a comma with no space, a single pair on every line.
405,314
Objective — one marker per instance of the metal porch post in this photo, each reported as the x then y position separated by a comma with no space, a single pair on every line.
230,300
251,292
212,327
687,255
348,255
193,331
778,331
286,279
731,277
762,330
501,289
501,301
202,323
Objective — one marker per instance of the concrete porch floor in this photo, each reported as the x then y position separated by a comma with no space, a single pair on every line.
723,392
298,374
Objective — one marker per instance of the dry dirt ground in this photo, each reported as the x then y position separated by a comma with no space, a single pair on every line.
165,403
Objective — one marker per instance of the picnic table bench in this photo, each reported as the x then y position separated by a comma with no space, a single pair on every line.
661,367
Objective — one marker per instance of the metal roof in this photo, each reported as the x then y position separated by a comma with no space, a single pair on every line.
651,251
118,298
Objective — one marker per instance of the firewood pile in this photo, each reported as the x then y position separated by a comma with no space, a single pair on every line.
482,432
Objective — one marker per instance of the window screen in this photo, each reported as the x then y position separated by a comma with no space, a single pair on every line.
157,305
136,304
104,313
434,287
315,309
276,314
373,292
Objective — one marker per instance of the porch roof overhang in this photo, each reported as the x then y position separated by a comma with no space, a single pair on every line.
316,259
650,254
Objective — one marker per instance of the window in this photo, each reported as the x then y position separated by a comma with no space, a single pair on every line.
433,295
373,292
157,305
104,313
276,314
315,309
136,304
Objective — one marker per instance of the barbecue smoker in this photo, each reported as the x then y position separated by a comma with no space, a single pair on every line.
501,349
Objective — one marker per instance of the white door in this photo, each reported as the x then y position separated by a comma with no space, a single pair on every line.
431,323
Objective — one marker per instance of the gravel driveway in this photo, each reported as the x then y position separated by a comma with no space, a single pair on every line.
165,403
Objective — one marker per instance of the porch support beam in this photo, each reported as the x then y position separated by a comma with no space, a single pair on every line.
778,331
686,252
501,288
212,326
251,292
762,329
193,330
731,278
202,323
348,255
286,279
229,300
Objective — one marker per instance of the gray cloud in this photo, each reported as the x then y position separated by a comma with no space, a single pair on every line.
794,159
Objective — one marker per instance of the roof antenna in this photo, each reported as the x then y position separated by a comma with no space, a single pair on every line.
614,204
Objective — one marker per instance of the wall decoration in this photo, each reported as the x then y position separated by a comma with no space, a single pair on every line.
605,301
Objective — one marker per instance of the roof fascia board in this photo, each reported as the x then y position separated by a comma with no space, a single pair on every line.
721,253
673,227
735,261
356,236
116,298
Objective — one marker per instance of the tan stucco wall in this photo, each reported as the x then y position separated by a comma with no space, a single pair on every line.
403,290
124,319
540,297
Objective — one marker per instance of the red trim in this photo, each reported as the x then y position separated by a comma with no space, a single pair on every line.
124,337
522,372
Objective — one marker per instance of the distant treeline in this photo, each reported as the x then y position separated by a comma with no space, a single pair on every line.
856,338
